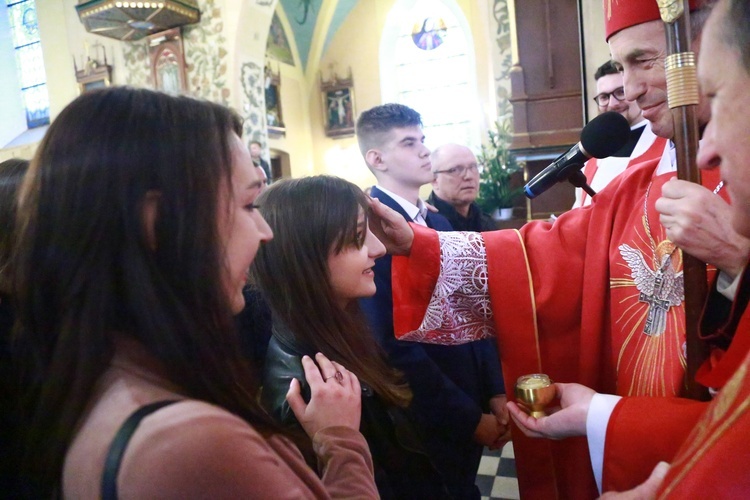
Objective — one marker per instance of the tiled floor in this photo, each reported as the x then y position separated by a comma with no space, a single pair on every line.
496,477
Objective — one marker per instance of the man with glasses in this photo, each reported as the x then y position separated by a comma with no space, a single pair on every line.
642,144
456,186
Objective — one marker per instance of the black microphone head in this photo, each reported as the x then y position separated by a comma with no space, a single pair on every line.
605,135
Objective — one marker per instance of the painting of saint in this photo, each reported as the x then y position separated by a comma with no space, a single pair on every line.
429,34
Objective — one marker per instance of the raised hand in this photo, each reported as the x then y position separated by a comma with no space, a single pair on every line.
336,397
390,228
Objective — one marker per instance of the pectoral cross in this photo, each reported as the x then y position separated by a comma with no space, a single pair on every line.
657,308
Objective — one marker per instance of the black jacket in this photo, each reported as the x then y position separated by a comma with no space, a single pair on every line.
476,221
402,469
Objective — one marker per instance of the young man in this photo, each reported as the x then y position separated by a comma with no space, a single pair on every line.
456,186
643,144
597,297
456,391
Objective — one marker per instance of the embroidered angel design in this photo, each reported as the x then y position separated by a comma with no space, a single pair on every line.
660,289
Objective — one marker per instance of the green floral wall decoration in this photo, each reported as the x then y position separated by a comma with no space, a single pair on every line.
206,55
254,126
503,59
137,65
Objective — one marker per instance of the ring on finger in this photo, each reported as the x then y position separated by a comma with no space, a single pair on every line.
338,376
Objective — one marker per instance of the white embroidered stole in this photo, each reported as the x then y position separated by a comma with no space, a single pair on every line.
460,310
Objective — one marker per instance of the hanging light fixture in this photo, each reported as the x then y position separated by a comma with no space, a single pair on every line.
132,20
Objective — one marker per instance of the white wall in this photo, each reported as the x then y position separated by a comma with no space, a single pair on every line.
12,111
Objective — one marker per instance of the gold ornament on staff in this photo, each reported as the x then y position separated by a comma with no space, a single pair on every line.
670,10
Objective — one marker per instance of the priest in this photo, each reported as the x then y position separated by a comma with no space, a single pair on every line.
597,297
713,457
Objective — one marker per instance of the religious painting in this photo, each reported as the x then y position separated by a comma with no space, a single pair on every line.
168,62
429,34
274,116
277,46
338,107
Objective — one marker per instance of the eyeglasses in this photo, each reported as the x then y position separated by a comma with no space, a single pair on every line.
603,98
458,171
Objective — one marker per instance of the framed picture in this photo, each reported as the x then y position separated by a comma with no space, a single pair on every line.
95,74
168,61
338,107
274,116
96,79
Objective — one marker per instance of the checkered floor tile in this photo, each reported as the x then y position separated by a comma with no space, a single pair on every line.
496,477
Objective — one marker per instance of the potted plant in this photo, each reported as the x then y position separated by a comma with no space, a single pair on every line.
497,193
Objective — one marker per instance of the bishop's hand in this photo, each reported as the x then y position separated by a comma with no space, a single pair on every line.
566,421
390,228
699,222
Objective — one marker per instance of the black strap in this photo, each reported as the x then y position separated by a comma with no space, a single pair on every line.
120,443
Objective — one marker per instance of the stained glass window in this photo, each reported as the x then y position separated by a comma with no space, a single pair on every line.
430,67
29,62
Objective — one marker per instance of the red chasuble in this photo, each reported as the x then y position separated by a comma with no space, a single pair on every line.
644,431
595,298
713,461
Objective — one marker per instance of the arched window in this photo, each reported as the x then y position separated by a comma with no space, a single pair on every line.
24,33
427,62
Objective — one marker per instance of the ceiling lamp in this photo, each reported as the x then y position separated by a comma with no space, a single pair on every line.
132,20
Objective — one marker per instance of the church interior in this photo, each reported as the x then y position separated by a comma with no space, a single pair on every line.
299,71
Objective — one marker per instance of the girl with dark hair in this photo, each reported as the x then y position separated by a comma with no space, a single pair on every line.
11,175
137,225
319,263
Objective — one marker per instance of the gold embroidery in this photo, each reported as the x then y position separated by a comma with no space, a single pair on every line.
651,356
533,299
720,417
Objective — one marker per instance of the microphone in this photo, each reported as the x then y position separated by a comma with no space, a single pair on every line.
601,137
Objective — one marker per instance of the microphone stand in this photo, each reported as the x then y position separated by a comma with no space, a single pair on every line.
579,180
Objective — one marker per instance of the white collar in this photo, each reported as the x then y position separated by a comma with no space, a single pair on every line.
410,208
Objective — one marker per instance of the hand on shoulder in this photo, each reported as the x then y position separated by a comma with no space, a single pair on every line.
336,396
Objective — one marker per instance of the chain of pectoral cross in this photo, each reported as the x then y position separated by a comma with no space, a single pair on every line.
665,262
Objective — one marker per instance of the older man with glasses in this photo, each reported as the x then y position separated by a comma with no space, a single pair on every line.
456,186
642,144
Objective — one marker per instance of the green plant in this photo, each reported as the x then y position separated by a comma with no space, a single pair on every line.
498,166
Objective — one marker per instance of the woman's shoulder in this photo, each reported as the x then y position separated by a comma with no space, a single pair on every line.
283,363
195,446
169,448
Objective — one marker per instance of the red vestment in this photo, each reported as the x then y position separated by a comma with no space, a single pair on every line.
565,302
713,461
643,431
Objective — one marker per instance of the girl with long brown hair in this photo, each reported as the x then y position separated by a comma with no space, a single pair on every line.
137,225
319,263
